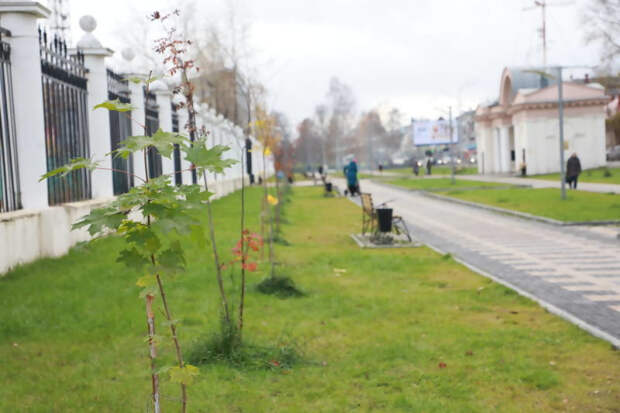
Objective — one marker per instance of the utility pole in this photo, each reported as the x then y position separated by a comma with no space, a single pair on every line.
561,117
451,143
543,29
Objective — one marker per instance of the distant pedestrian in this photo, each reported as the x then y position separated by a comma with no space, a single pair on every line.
322,174
416,168
573,169
380,168
350,171
429,165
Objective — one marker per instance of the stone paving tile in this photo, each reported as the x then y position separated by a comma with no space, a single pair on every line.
572,268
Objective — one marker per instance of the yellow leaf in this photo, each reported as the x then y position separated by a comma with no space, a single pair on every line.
183,375
146,280
273,201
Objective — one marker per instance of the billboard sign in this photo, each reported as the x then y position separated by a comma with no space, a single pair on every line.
431,132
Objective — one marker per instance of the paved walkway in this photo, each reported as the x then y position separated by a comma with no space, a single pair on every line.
574,272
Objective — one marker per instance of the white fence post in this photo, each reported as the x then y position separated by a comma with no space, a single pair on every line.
98,120
20,17
136,96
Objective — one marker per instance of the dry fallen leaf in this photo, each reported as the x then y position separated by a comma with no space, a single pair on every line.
442,365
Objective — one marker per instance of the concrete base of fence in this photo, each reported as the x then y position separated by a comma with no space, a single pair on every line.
27,235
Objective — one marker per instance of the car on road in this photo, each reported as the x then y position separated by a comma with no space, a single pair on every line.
613,154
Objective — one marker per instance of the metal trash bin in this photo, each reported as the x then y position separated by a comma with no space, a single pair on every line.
384,219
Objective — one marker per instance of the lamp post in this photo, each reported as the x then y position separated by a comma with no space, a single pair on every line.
451,144
561,120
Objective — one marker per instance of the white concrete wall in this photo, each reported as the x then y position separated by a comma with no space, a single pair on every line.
482,147
538,134
583,134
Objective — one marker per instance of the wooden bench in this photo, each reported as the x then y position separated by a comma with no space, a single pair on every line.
369,218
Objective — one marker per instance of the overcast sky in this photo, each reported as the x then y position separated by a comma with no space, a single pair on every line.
417,55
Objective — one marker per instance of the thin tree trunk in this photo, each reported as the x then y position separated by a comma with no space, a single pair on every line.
150,317
216,256
278,205
242,298
265,205
150,320
173,330
273,264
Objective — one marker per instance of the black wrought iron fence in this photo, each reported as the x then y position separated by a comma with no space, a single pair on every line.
9,176
178,175
151,110
120,129
66,118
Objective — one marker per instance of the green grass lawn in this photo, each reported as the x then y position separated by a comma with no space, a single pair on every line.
402,330
546,202
590,175
438,184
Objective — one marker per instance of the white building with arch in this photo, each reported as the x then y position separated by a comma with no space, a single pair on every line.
522,126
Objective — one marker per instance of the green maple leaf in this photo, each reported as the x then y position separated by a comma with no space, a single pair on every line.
207,159
73,165
142,237
115,105
172,260
132,258
143,79
194,196
163,141
99,219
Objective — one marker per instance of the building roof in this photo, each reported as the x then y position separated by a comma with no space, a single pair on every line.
529,78
518,78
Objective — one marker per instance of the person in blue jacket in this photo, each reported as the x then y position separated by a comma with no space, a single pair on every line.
350,171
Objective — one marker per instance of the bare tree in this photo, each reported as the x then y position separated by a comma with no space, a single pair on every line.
601,20
342,102
320,114
308,145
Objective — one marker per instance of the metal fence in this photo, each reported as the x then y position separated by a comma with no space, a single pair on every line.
120,129
66,119
151,111
9,177
178,175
